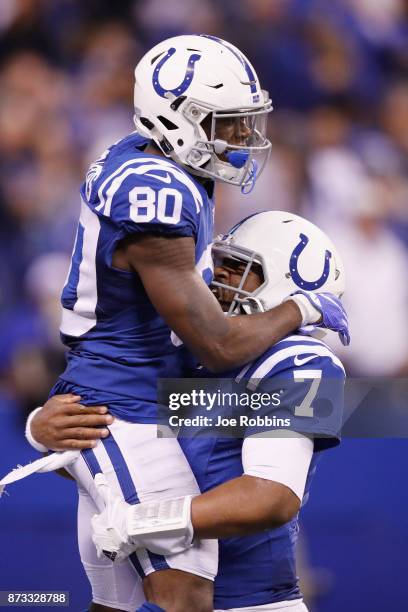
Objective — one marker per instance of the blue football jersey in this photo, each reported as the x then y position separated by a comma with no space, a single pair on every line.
260,569
118,344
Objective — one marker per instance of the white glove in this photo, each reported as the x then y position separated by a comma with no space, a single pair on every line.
310,314
163,527
324,306
109,527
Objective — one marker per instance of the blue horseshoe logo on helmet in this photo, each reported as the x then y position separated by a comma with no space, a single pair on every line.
293,266
188,77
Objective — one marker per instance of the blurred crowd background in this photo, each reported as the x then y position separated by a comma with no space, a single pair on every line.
337,72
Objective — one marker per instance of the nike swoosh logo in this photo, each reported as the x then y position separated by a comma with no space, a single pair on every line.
301,361
164,179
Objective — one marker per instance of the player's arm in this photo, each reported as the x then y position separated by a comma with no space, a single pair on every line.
266,496
242,506
276,466
166,267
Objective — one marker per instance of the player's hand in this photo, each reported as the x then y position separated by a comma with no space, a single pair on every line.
332,311
109,533
163,527
64,424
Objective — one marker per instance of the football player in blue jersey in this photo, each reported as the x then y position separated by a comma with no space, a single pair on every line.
265,477
136,303
256,481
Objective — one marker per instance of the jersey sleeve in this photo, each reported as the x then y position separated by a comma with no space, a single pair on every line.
284,460
150,197
306,399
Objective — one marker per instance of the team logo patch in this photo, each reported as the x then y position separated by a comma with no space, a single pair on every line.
293,266
188,77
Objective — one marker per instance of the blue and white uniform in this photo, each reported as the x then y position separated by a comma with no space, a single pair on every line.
260,569
119,346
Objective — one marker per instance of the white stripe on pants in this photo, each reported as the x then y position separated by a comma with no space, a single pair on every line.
138,463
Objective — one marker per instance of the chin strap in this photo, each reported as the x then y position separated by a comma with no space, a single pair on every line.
248,186
238,159
252,305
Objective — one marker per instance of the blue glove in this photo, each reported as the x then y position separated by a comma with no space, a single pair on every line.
334,316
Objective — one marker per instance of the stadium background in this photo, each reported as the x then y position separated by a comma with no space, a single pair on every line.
337,74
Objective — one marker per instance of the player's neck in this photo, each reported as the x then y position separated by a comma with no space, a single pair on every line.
153,149
208,184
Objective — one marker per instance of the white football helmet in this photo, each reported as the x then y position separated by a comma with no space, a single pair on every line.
184,80
292,252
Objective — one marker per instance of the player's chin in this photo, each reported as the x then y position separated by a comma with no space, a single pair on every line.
224,297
